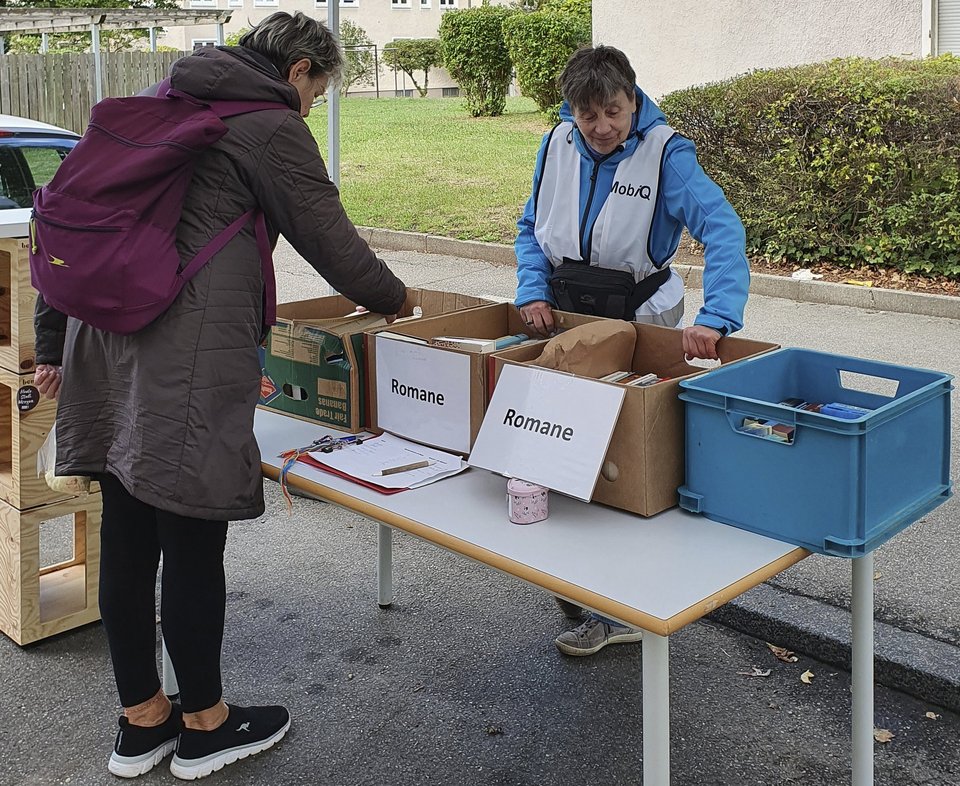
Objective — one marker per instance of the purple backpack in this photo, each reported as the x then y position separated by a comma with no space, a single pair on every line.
103,231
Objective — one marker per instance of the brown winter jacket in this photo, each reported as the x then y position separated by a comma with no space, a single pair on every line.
169,410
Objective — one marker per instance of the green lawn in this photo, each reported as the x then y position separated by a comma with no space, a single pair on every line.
425,165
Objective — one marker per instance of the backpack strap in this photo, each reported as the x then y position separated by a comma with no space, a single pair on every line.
266,259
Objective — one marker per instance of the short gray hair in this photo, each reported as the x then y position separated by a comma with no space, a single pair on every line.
284,40
596,74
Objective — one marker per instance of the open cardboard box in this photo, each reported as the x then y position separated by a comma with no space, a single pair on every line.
644,464
466,395
313,366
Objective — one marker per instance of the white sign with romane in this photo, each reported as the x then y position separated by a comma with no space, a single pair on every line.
423,394
548,428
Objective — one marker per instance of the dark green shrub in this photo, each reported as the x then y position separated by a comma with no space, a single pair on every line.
476,56
540,44
849,162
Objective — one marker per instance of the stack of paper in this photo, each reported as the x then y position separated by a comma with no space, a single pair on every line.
388,463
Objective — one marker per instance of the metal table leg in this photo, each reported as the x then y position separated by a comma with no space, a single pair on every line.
862,671
656,710
384,565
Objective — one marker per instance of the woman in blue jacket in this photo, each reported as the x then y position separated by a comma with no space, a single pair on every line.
613,188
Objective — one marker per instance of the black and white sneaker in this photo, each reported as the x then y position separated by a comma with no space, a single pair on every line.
246,731
139,749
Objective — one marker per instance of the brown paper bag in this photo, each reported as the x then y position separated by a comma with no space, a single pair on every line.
592,350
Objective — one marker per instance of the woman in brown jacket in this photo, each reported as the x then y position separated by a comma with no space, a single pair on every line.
164,417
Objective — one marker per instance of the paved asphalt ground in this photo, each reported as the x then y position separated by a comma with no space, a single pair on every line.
459,681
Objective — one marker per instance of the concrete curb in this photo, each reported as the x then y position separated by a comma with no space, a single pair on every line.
909,662
823,292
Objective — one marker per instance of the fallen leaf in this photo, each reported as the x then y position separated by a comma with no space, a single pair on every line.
494,730
782,653
807,677
877,575
755,671
858,283
933,716
882,735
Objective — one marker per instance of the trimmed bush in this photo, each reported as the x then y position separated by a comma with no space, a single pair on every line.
411,55
848,162
476,56
540,44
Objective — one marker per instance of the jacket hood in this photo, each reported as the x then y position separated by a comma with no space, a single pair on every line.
232,73
647,116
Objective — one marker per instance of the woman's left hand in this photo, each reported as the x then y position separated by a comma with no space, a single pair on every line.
48,378
700,342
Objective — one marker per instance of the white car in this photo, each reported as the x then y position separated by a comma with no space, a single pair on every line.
30,153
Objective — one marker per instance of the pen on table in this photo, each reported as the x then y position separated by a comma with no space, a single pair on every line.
404,467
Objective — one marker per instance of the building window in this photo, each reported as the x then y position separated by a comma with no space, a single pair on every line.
425,4
265,3
320,3
947,27
203,3
403,93
399,3
234,3
450,92
200,43
349,3
446,5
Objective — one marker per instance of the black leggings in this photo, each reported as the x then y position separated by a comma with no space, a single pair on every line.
192,597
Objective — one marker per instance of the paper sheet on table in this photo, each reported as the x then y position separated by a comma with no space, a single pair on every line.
366,461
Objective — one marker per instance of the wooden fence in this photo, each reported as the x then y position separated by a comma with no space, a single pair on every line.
60,89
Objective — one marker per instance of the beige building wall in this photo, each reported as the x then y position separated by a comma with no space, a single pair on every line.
678,43
383,21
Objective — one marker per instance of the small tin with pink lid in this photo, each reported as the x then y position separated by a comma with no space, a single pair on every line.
527,503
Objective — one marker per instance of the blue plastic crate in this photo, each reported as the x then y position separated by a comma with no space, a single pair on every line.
842,486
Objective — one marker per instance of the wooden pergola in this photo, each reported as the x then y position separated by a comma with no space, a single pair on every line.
48,21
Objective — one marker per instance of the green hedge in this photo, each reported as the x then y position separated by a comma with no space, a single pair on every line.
848,162
540,44
476,56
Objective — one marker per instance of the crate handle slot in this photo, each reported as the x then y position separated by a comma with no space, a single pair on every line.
294,392
737,419
869,383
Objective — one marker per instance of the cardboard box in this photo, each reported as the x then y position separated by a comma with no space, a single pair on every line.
455,378
313,366
644,465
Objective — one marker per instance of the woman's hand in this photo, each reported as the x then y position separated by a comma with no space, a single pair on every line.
47,378
538,315
700,342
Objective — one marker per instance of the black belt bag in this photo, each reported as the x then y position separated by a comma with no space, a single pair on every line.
602,292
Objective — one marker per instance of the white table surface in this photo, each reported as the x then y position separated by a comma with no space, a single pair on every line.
658,573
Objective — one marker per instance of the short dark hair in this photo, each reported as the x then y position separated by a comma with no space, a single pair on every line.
284,40
596,74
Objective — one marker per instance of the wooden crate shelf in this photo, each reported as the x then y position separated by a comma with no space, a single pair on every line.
17,301
41,601
25,421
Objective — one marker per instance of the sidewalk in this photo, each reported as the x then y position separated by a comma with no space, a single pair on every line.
457,683
807,607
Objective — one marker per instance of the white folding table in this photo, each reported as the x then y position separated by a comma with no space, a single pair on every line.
668,570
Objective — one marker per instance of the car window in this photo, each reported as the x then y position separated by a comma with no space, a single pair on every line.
26,165
43,163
